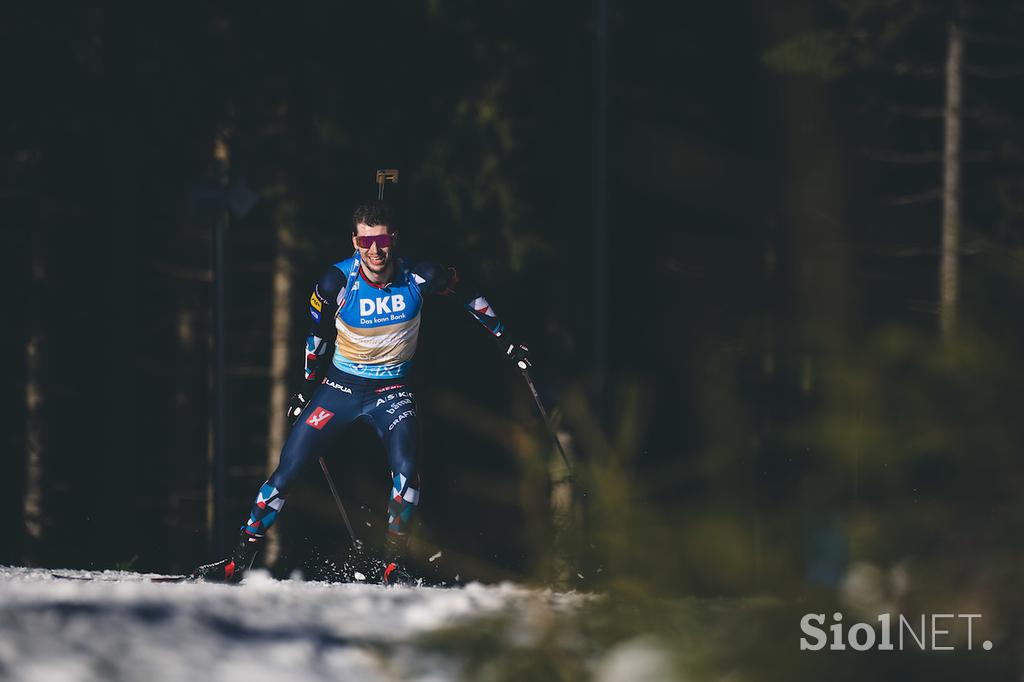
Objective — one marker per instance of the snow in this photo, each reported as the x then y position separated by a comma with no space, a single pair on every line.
641,659
118,626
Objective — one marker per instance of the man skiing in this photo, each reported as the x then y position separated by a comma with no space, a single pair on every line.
367,309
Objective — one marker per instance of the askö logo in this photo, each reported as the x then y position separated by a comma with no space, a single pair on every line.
380,306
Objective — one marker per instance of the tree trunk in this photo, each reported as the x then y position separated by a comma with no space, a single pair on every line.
280,348
949,264
602,205
216,487
35,432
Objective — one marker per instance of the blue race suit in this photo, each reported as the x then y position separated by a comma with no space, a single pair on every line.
369,332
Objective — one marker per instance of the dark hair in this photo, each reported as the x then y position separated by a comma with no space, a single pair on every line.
372,213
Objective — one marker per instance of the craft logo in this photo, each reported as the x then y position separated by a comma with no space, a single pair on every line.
319,417
407,413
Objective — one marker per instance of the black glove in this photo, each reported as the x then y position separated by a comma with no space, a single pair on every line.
519,354
296,404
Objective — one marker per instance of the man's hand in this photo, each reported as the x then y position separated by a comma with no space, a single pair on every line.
296,404
519,354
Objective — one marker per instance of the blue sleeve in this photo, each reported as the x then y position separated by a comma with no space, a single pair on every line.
433,279
323,305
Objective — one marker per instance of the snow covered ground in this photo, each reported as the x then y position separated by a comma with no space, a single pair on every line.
117,626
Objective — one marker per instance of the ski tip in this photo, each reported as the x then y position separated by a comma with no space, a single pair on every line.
172,578
138,577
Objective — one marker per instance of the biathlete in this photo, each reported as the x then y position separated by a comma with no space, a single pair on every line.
367,309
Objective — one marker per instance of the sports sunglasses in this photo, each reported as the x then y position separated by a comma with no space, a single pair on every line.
381,240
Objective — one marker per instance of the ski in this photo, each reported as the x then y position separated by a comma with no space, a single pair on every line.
111,579
171,578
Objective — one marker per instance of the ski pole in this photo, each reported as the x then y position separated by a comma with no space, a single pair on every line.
544,416
337,499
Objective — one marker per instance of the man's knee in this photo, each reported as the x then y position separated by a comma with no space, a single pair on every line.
280,480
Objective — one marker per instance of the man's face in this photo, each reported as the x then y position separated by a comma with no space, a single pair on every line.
374,258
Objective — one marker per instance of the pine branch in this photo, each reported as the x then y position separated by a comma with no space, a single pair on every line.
972,249
923,306
911,199
1015,71
902,158
184,273
992,39
931,112
907,69
921,158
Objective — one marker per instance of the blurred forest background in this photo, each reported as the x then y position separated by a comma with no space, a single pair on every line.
768,258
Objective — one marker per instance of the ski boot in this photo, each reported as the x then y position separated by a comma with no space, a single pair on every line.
395,572
232,569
